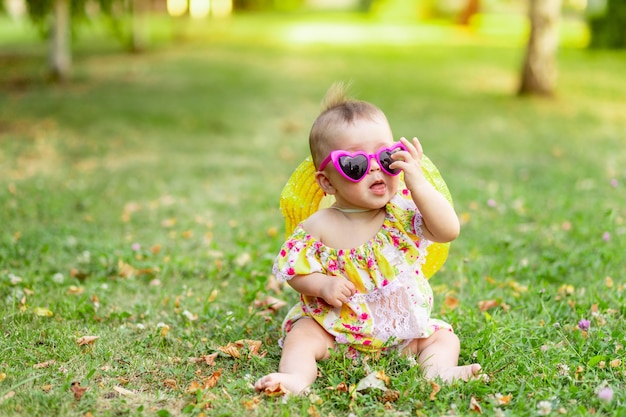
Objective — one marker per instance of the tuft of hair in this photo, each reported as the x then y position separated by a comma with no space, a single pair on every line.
336,96
338,110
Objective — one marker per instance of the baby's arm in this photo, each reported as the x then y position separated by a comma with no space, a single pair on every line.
334,290
441,224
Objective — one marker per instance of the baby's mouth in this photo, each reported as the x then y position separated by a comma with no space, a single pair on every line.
378,186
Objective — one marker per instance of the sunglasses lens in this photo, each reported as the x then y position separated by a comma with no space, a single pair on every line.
385,160
354,167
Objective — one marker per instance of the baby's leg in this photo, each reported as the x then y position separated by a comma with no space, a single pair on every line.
439,357
304,345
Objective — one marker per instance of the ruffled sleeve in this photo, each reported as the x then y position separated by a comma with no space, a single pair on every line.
406,213
297,256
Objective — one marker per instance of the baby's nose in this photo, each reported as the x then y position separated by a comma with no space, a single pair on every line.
374,164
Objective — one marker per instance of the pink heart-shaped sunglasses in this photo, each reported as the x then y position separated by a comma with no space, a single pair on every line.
354,166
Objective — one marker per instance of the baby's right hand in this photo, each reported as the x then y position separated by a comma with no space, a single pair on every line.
337,290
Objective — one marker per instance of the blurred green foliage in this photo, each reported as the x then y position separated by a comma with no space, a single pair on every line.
608,29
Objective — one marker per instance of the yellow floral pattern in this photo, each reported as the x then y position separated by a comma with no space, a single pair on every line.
393,300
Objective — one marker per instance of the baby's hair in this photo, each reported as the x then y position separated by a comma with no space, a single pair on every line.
338,109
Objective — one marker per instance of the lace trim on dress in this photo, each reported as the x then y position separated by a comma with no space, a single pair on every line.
399,310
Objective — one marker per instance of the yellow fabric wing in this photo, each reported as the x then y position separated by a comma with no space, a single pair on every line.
302,197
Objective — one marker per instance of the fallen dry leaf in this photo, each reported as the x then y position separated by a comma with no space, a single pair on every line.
504,399
125,270
170,383
208,359
253,347
232,349
517,287
435,389
193,387
381,375
341,387
273,304
79,275
252,403
371,381
212,296
312,411
488,304
391,396
77,390
96,301
8,395
276,390
74,290
474,406
315,399
451,302
210,382
45,364
122,380
87,340
124,391
207,383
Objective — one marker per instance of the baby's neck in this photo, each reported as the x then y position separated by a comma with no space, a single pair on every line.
352,229
351,210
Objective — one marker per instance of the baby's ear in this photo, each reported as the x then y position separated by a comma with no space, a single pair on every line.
324,182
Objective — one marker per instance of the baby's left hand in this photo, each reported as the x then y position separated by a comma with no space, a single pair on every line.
410,163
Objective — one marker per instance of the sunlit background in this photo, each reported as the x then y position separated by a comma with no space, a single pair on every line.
199,9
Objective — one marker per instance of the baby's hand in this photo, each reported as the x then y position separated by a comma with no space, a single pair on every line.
337,290
410,162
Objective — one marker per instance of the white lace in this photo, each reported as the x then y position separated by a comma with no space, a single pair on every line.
398,310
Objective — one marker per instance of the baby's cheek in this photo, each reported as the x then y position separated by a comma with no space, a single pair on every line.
394,184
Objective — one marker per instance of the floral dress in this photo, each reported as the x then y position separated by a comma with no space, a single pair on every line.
393,300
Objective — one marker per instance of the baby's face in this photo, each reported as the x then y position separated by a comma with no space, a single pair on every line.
377,187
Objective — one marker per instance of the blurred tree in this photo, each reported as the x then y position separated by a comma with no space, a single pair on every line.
608,25
471,8
57,19
60,55
267,4
539,69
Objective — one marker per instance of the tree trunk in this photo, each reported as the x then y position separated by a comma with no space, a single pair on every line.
137,23
60,59
472,7
539,71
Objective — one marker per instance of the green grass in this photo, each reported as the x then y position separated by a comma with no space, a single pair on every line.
145,194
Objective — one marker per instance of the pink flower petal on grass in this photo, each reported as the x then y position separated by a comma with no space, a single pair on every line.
605,394
584,324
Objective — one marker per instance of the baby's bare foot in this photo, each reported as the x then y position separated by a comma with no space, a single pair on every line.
276,382
456,373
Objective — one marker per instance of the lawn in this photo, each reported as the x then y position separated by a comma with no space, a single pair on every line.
139,218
